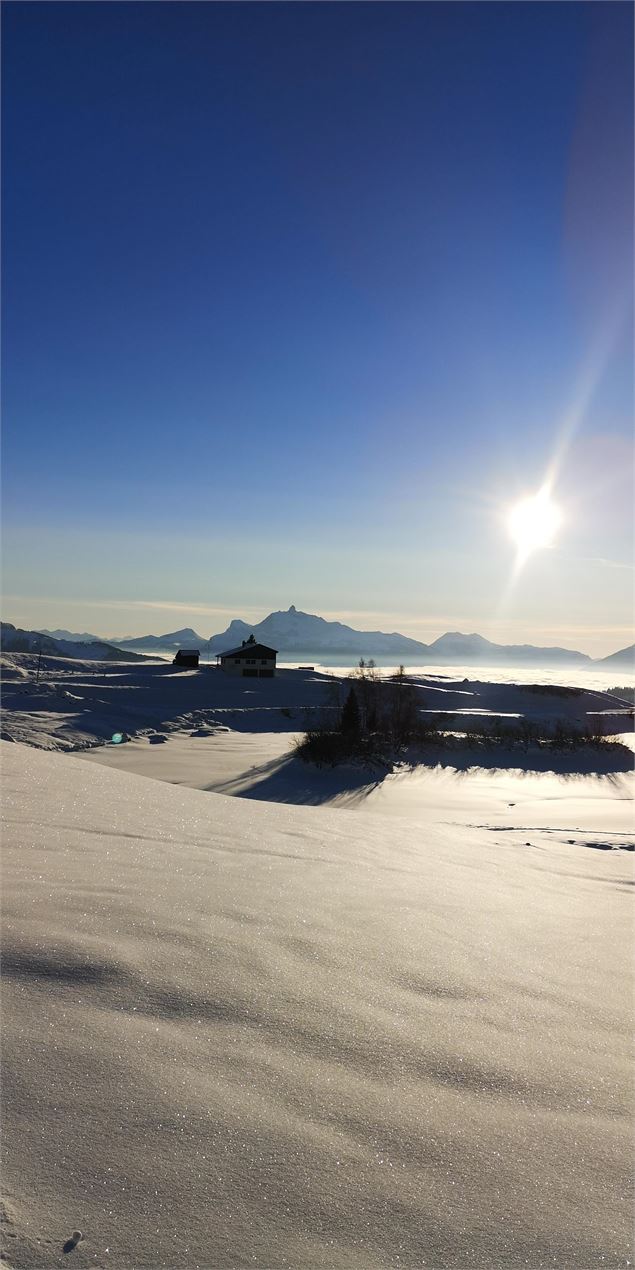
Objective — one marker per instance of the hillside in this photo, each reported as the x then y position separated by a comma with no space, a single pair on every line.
16,640
74,703
241,1034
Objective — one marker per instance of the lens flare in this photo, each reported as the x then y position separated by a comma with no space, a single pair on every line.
534,522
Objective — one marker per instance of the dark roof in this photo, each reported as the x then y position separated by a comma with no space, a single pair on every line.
250,650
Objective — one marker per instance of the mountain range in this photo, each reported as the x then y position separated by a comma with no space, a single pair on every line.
301,635
73,637
293,632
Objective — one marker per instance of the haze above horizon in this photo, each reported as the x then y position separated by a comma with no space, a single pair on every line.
302,627
304,300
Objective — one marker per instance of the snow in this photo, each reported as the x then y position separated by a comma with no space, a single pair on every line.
263,766
259,1013
146,696
242,1033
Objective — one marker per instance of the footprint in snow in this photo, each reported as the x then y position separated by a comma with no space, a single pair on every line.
71,1243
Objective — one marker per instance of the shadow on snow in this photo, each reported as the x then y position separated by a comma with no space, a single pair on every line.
291,780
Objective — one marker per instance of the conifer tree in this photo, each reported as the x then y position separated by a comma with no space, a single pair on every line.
350,722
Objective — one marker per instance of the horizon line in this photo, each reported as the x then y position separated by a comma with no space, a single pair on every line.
447,625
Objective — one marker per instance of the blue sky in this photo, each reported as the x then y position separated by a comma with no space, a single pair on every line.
299,298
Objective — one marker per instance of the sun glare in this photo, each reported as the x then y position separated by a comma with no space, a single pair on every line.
534,522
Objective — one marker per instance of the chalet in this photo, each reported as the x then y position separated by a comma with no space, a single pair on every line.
251,660
186,657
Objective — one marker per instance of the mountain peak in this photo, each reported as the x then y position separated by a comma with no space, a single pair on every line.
293,631
296,633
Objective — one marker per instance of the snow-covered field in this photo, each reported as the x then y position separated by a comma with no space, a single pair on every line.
594,809
587,676
243,1034
79,704
389,1027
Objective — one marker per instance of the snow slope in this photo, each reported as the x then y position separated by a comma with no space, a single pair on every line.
81,704
16,640
243,1034
595,808
78,704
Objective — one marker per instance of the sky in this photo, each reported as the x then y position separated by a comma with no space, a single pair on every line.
300,299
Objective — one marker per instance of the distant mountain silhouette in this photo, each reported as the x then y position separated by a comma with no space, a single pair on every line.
294,632
456,647
300,635
623,659
185,638
75,638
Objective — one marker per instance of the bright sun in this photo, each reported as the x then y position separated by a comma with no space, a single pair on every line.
534,522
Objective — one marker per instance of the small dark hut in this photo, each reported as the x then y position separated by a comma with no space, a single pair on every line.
186,657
